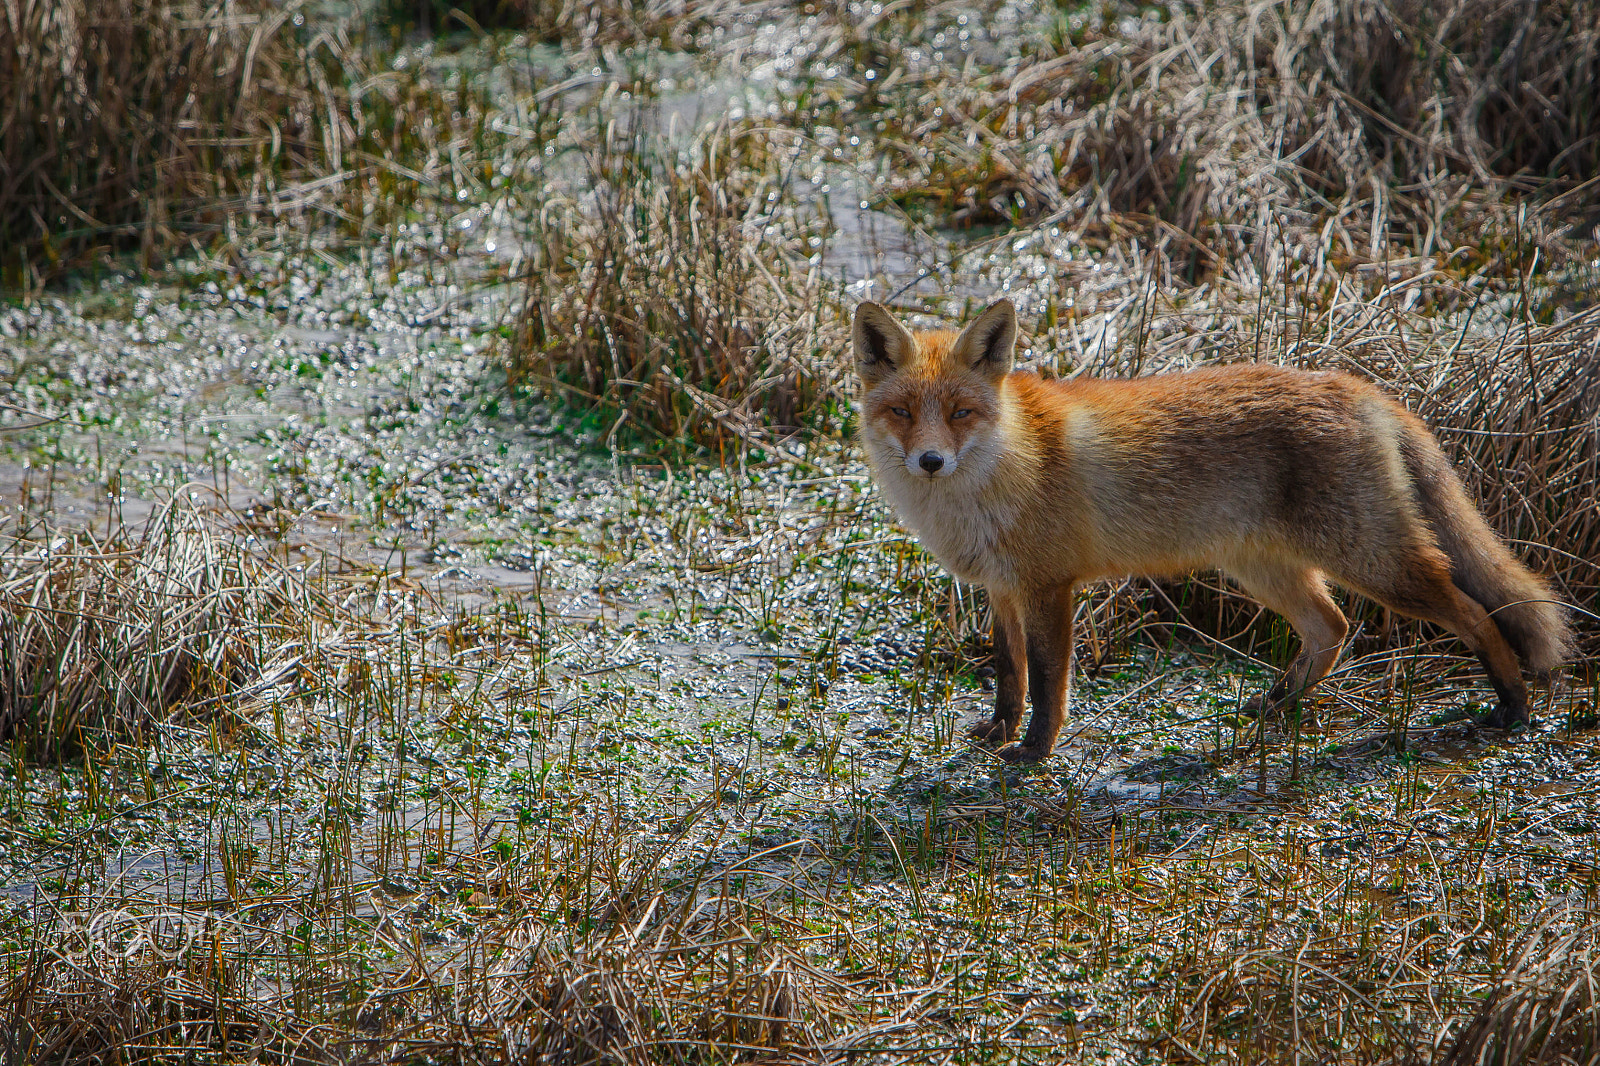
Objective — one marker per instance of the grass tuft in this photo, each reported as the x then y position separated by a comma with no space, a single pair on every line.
1545,1008
657,301
706,980
100,636
1199,121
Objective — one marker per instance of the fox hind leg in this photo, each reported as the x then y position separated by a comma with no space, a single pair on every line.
1426,591
1300,594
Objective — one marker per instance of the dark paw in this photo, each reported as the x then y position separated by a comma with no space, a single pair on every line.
1273,707
1505,716
1264,704
989,731
1021,754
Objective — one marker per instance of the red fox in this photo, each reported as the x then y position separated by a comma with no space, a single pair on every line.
1283,479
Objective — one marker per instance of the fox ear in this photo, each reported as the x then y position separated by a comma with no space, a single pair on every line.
881,343
988,345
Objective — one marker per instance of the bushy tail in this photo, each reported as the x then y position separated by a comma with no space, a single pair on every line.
1521,603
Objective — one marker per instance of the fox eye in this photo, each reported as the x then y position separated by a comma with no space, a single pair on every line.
962,413
901,411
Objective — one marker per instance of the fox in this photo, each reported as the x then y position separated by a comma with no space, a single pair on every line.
1283,479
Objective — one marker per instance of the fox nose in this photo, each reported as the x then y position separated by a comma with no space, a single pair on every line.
932,462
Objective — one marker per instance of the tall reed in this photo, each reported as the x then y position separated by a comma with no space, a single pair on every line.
131,124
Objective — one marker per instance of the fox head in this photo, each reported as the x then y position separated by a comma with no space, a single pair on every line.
931,400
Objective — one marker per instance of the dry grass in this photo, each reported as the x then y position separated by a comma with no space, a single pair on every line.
1545,1009
1282,1006
1382,1001
99,636
658,301
1249,954
724,980
151,125
1361,122
573,23
1485,88
133,124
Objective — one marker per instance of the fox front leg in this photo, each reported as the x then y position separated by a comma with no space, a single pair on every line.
1011,675
1049,628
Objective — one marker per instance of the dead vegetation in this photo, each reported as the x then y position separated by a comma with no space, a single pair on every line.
1383,1002
1360,123
140,129
658,301
1545,1008
1243,955
101,635
698,986
722,980
136,124
573,23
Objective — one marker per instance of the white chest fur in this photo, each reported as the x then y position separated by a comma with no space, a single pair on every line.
960,523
